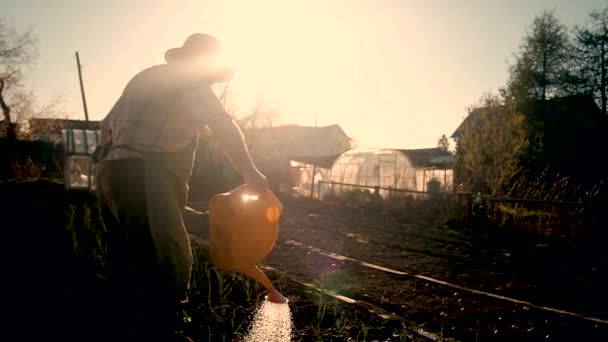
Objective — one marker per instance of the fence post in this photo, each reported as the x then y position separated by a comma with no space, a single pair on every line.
465,205
319,190
331,189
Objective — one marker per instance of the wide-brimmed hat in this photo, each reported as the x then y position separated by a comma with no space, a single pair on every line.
197,45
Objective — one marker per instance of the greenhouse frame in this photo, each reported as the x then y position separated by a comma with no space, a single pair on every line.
387,168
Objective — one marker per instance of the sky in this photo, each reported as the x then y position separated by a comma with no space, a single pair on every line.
391,73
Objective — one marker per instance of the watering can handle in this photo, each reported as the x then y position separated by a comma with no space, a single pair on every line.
247,189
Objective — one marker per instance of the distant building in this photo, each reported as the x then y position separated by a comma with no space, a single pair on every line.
307,144
47,129
76,140
407,169
567,134
276,148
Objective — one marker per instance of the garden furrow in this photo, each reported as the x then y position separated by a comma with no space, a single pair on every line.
458,314
545,284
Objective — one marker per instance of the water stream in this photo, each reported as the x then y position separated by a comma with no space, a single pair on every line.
271,323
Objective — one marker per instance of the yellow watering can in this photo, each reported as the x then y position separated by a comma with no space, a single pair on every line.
243,229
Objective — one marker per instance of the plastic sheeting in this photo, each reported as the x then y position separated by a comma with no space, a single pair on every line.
374,167
387,168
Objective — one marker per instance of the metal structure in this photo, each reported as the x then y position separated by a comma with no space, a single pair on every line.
390,169
84,99
385,168
79,146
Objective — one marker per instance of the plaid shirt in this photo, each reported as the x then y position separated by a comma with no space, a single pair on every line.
160,110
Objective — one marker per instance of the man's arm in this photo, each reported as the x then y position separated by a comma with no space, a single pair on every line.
230,138
207,109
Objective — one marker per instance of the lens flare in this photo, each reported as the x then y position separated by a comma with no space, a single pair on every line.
249,197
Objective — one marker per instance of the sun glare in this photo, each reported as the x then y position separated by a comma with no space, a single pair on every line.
291,52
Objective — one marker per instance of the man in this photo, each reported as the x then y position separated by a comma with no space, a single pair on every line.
149,140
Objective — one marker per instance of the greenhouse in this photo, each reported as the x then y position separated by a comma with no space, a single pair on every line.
79,146
413,170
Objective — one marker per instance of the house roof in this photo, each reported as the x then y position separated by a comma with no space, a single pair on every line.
580,107
324,161
430,158
473,116
474,119
313,145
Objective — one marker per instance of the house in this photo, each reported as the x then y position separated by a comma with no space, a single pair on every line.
48,129
566,134
307,144
77,139
275,149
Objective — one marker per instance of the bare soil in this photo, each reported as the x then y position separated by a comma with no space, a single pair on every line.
554,292
49,291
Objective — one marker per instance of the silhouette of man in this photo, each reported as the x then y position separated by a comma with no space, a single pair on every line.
149,139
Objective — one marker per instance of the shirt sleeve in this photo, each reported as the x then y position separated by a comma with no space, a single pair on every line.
202,104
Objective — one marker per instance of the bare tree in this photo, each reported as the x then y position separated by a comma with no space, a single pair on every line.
16,51
224,94
25,106
261,115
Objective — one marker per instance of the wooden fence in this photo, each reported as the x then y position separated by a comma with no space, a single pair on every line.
537,216
454,204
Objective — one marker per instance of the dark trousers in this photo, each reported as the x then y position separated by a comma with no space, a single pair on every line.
144,304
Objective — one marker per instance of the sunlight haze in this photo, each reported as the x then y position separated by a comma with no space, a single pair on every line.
391,73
